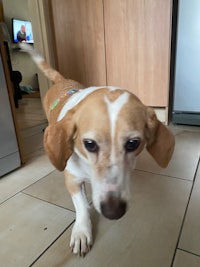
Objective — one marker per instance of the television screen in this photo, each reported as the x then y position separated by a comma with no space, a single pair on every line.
22,31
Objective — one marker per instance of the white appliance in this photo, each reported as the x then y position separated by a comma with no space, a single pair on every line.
186,106
9,152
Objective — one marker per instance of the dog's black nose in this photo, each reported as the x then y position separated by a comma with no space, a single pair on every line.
113,207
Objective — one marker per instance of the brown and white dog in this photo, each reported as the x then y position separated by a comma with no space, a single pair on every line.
95,134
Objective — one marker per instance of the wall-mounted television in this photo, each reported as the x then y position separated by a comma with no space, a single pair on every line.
22,31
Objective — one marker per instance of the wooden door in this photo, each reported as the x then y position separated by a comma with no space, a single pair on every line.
79,39
137,36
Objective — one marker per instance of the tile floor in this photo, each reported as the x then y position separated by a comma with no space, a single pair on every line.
160,229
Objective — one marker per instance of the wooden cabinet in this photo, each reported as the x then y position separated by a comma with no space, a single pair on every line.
138,47
79,40
115,42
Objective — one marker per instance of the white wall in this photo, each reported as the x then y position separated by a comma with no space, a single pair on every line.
20,61
39,12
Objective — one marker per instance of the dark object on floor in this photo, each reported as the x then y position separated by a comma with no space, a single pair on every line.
15,76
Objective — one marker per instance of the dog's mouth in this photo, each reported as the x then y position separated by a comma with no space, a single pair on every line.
113,207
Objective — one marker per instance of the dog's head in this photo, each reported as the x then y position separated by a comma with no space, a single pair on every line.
107,131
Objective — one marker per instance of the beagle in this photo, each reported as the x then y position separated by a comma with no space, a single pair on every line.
95,134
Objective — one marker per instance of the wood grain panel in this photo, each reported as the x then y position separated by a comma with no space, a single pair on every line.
138,47
79,38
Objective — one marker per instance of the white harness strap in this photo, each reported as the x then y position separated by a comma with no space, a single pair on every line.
78,97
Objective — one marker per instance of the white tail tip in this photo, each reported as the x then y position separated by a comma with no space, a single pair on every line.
29,49
26,47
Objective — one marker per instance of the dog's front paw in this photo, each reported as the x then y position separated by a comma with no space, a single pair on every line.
81,238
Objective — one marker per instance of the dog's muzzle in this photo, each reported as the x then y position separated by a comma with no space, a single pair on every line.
113,207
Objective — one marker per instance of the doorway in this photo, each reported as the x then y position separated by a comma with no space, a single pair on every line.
30,117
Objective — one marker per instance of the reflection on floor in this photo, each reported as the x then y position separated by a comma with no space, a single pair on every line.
32,122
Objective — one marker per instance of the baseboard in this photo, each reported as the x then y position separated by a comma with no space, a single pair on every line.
186,118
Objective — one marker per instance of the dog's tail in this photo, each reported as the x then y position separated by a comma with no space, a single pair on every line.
48,71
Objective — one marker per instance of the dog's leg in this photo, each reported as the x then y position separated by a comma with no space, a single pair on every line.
81,237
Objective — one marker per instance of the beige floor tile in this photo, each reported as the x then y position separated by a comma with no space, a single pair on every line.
27,227
184,259
31,172
52,189
145,237
190,237
184,161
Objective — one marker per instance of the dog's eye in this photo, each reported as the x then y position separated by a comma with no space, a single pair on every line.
91,146
132,144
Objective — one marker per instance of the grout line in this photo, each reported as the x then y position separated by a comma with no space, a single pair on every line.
37,180
45,250
186,210
56,205
21,190
165,175
189,252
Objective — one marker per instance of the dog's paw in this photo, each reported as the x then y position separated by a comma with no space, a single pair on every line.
81,239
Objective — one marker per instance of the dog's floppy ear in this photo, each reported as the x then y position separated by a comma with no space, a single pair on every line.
160,141
58,142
